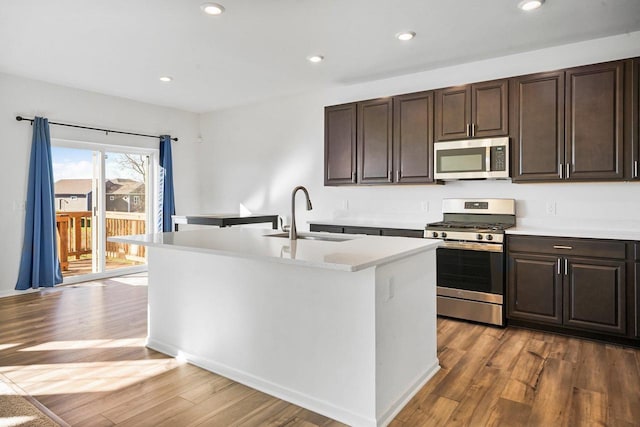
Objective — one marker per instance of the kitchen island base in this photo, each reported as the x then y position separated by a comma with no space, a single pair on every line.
352,345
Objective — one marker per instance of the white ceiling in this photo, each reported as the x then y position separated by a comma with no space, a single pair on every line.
257,49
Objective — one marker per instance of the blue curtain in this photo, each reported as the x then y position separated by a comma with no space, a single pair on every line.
39,265
167,202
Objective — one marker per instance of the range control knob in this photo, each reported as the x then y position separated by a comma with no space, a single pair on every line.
434,234
479,236
444,234
490,237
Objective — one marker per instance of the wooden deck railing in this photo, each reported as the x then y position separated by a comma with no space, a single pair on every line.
75,235
125,224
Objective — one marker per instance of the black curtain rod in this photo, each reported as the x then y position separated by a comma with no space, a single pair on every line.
20,118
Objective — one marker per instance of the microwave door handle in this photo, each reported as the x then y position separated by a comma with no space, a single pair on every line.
487,160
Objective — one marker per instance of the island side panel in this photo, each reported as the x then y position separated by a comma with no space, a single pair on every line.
303,334
406,331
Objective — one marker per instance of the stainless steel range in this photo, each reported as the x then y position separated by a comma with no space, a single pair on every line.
471,262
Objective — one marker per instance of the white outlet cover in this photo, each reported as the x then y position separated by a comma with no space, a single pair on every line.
551,208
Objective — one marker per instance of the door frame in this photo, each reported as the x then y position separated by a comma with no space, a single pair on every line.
151,202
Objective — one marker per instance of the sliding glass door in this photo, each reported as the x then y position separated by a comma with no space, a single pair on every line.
102,191
126,210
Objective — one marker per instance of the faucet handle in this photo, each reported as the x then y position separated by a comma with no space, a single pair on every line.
284,228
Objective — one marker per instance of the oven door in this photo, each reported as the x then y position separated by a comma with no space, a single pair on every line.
475,267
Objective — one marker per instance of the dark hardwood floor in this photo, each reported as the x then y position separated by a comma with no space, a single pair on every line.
79,350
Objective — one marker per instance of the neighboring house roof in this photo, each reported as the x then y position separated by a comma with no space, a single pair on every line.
124,186
78,187
82,187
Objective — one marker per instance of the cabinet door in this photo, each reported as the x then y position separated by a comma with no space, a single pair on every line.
413,137
594,121
635,120
595,295
537,108
340,144
453,113
375,133
490,109
637,292
534,288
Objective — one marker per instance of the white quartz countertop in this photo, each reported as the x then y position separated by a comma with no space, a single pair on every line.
589,233
356,254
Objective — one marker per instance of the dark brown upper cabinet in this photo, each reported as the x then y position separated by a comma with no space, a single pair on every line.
594,143
479,110
380,141
569,124
375,141
578,124
413,138
340,144
635,120
537,123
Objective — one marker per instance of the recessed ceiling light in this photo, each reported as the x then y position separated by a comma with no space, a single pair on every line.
405,35
166,79
530,4
315,58
212,8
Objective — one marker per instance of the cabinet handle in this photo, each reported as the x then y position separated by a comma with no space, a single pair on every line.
473,129
635,169
398,175
568,170
561,168
558,266
566,267
468,129
390,176
353,177
562,247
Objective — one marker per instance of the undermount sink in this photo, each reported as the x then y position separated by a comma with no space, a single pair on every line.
305,236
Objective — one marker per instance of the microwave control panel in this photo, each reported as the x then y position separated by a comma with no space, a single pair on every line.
498,158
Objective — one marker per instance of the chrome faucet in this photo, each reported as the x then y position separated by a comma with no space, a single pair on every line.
293,234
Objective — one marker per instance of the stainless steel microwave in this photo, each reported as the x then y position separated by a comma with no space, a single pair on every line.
472,159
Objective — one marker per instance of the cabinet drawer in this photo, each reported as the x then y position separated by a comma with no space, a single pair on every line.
362,230
402,232
327,228
568,247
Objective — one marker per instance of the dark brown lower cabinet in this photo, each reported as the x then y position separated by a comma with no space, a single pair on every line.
572,284
362,230
375,231
637,292
535,288
594,295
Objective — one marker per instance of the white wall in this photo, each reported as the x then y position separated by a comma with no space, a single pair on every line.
254,155
29,97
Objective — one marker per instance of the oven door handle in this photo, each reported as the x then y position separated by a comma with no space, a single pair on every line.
473,246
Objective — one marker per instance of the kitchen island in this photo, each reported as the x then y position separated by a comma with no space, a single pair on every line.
345,327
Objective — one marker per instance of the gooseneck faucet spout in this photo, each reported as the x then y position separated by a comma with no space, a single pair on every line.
293,234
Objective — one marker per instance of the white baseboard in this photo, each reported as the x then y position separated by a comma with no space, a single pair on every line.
395,408
292,396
